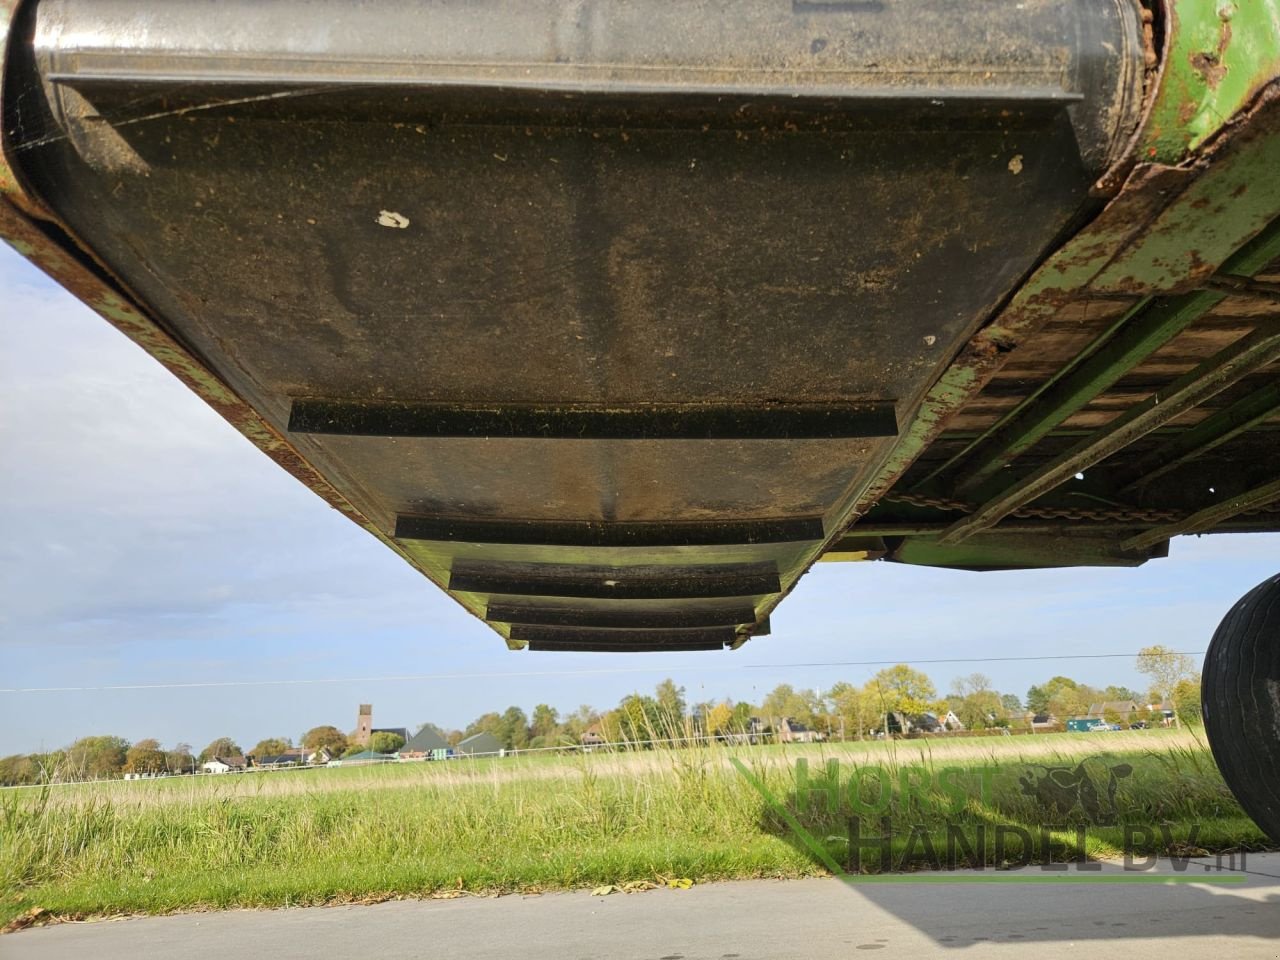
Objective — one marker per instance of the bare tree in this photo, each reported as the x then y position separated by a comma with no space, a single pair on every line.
1166,669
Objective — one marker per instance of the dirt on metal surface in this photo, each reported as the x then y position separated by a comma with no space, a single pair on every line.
604,230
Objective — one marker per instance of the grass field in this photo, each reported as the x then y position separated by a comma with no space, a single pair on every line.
538,822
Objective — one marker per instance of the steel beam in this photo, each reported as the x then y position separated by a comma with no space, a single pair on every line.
613,533
648,616
622,583
1141,215
571,646
1246,355
1209,517
1151,324
1141,332
1213,431
591,638
1234,286
595,421
1267,523
1025,552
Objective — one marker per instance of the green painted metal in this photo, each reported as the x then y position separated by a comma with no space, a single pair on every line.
1142,331
1021,550
984,438
1220,55
1209,433
1137,244
1247,355
1036,303
1263,522
1194,237
1209,517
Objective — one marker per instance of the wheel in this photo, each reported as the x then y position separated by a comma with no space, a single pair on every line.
1240,694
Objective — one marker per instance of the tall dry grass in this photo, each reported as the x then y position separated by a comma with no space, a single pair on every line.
515,823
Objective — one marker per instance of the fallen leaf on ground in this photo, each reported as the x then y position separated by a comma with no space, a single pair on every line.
24,919
680,883
604,891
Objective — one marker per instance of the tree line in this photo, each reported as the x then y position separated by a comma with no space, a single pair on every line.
843,710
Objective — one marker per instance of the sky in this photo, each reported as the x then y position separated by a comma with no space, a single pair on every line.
144,542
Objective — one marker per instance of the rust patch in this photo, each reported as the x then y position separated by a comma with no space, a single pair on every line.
1197,268
1208,63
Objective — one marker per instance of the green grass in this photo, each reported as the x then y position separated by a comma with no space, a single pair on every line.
526,823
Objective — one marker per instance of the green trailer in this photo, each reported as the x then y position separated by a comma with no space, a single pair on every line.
612,318
1086,725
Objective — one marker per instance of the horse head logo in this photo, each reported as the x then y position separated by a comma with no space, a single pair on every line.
1064,789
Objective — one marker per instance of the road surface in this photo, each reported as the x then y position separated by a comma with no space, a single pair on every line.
728,921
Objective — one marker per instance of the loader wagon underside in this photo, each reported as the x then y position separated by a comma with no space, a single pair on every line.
613,318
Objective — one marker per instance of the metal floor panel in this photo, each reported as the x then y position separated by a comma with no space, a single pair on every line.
611,299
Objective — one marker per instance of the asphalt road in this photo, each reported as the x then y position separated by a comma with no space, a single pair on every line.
729,921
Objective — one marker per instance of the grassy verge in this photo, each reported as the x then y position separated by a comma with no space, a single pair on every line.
540,823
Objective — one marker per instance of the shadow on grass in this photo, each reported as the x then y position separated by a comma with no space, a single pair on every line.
905,835
1061,816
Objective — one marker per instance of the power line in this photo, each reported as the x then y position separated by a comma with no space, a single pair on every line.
526,674
1048,656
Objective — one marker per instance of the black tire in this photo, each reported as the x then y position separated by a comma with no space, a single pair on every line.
1240,695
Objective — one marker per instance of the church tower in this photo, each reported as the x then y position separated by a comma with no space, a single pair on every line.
364,724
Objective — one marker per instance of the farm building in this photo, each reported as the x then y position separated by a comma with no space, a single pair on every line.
425,743
791,730
224,765
291,759
1121,708
479,745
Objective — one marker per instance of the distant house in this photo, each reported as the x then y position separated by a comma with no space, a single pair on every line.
1121,708
1162,710
903,724
925,723
426,743
951,721
593,736
1043,722
480,744
224,765
291,759
323,755
791,730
